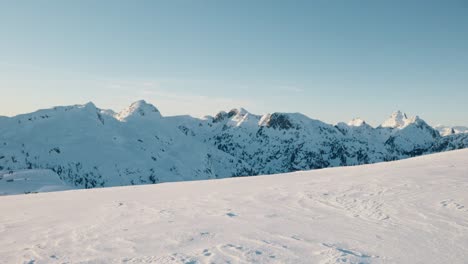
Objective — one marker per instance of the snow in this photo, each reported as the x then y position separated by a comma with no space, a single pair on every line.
408,211
90,147
356,122
139,109
460,129
243,118
446,130
30,181
397,120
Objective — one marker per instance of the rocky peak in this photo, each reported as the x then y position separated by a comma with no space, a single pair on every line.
277,121
237,114
396,120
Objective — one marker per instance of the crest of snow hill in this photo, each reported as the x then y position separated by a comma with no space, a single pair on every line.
89,147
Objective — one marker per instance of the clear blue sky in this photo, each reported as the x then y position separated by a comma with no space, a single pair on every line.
331,60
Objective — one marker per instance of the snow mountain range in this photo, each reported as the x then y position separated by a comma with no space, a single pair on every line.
87,147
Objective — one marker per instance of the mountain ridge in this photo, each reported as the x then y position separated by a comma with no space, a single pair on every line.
90,147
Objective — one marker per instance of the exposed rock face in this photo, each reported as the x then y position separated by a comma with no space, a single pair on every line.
89,147
278,121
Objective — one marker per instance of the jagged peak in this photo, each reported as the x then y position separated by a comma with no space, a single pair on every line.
397,119
416,124
139,109
239,111
280,120
357,122
277,121
220,116
236,113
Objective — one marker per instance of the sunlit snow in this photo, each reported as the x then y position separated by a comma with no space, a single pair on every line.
409,211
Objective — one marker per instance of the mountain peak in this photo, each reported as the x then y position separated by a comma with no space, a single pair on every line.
277,121
357,122
237,117
139,109
233,113
90,105
239,111
398,119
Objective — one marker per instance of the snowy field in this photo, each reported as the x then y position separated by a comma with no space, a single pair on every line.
409,211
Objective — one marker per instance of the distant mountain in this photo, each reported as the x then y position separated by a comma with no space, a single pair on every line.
446,130
397,120
89,147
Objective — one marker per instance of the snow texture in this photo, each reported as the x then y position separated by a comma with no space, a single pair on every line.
409,211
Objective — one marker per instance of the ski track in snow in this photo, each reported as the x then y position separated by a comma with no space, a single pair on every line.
410,211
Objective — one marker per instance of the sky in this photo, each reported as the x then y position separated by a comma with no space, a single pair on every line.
330,60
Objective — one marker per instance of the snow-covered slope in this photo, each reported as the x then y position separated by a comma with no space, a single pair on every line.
410,211
90,147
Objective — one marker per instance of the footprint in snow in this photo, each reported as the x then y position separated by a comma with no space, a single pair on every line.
450,203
